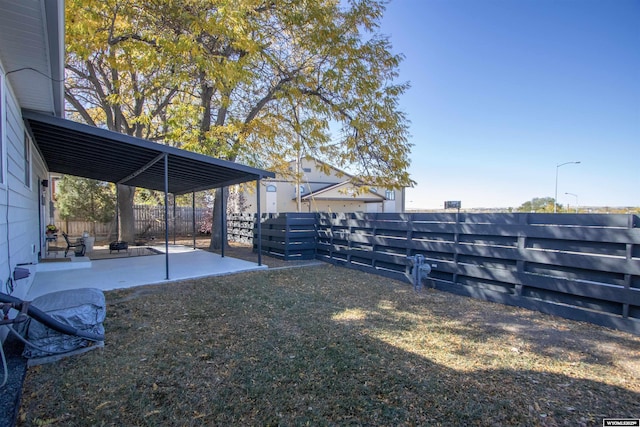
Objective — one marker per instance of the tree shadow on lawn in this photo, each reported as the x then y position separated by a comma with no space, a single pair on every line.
543,334
326,346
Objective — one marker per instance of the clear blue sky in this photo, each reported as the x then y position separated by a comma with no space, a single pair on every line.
502,91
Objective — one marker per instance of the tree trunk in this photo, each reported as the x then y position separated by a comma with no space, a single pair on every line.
127,229
216,225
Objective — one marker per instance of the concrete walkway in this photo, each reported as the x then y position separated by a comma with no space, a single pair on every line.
184,263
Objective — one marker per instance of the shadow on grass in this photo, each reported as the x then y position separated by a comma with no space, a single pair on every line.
328,346
539,333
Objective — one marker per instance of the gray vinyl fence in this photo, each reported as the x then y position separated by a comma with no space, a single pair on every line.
288,236
584,267
579,266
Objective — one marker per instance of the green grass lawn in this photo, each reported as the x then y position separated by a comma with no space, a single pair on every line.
330,346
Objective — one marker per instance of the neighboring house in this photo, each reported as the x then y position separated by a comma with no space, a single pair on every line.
322,192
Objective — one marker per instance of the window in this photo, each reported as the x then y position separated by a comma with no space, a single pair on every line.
27,160
390,195
271,188
306,170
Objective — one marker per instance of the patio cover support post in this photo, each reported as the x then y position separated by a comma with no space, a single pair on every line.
259,221
193,217
117,214
174,219
166,214
223,223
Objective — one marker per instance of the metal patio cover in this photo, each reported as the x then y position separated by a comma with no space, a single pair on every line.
77,149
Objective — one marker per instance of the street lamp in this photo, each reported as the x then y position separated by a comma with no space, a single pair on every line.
576,196
555,200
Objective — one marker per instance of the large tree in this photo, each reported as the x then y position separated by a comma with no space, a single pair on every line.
86,199
259,81
114,80
539,204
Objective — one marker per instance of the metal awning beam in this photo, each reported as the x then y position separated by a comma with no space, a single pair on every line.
142,169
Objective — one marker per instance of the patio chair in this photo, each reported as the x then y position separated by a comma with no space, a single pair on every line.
78,248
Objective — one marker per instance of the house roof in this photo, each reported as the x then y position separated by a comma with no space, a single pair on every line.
77,149
340,192
316,160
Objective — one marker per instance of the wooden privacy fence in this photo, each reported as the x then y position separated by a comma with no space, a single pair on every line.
584,266
150,219
77,228
149,222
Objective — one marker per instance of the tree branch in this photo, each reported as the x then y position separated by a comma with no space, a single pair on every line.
125,37
323,98
265,100
79,107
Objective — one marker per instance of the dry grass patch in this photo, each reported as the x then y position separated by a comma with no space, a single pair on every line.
331,346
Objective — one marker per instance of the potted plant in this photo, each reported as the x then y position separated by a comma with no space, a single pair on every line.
51,230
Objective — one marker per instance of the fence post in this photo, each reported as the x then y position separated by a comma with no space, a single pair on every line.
287,233
523,220
456,247
349,231
627,276
332,218
374,233
409,237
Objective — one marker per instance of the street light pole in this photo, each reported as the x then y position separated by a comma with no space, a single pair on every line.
576,196
555,200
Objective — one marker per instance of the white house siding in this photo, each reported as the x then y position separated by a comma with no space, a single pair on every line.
4,246
19,203
42,214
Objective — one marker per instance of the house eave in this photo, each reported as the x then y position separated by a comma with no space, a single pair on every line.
32,54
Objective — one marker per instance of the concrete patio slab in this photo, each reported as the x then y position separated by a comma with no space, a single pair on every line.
109,274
